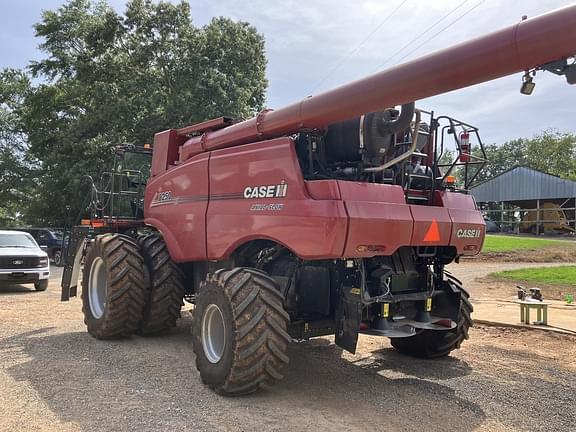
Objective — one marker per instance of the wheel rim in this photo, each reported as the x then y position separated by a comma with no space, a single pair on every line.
57,258
213,334
98,287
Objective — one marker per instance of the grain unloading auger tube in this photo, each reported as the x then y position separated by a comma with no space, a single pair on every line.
545,42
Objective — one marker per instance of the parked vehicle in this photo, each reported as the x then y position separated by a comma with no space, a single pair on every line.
333,216
22,261
53,239
491,226
549,219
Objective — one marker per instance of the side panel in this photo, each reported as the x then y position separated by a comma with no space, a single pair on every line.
175,204
257,192
432,226
468,228
380,220
377,228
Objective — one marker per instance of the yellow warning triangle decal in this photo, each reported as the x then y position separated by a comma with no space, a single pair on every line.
433,234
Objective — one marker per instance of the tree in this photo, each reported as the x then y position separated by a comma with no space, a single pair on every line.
15,169
553,152
110,78
502,157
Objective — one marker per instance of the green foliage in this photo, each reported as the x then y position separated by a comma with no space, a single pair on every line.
502,157
562,275
552,152
500,243
15,169
110,78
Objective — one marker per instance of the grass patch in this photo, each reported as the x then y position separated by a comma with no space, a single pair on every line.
563,275
500,243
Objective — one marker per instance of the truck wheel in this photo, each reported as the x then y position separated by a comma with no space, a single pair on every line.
57,258
114,287
239,330
434,343
41,285
166,287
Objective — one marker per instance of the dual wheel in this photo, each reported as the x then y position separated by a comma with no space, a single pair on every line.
130,286
239,325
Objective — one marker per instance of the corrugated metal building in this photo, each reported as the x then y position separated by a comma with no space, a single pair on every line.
509,197
523,184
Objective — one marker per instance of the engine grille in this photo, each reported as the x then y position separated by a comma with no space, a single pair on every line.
16,262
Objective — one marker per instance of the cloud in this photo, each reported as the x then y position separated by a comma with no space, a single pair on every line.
305,41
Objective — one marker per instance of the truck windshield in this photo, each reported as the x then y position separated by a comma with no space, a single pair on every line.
16,240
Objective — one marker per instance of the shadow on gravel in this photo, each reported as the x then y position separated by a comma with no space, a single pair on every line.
388,359
151,384
16,289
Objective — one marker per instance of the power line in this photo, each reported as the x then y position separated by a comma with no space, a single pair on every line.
440,31
355,50
420,35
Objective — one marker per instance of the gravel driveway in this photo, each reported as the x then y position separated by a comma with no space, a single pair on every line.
55,377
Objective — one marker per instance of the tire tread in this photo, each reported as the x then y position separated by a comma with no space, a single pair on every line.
260,336
166,293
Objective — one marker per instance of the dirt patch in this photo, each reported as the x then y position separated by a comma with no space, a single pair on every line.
548,254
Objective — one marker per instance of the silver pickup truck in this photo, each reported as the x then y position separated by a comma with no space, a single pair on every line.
22,261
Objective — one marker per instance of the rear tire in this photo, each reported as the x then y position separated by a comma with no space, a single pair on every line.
434,343
114,287
239,330
166,287
41,285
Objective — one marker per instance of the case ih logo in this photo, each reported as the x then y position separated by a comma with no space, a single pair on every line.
468,233
272,191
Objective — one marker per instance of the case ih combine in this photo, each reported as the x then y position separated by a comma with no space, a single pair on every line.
332,216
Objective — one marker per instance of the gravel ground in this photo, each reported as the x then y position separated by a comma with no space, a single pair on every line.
55,377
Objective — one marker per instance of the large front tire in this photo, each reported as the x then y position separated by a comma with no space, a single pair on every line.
114,287
166,287
435,343
239,329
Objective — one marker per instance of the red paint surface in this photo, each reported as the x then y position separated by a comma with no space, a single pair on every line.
183,225
208,216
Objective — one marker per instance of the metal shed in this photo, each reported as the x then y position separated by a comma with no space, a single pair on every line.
523,184
525,190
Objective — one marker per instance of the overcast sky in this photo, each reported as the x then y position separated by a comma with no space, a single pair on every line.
313,46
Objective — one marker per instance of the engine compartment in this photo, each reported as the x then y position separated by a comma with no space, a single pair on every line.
397,147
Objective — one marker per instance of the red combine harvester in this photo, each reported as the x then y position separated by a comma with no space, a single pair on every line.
332,216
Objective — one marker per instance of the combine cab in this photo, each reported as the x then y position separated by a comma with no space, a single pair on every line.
333,216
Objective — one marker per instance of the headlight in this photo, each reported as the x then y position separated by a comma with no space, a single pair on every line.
42,261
